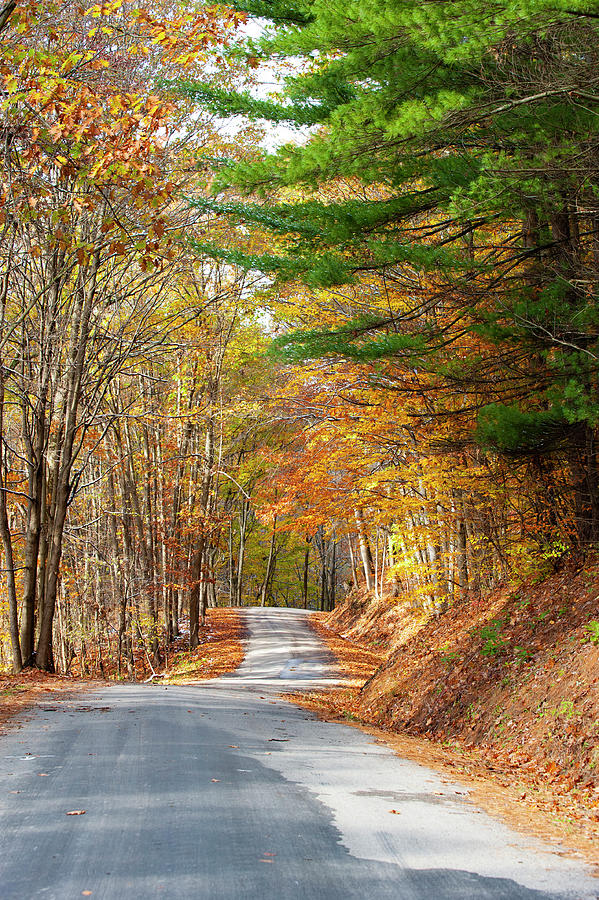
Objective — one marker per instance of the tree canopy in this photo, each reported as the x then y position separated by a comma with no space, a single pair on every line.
455,158
233,374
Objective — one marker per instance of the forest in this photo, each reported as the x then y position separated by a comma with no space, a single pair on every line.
297,299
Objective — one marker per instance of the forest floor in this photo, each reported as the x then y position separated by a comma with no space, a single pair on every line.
220,650
502,692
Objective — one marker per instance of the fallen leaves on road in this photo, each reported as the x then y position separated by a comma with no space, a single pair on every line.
353,661
19,691
76,812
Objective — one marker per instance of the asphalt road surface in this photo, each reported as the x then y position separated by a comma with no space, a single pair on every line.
222,790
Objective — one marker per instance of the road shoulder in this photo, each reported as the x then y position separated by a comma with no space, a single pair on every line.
33,687
499,792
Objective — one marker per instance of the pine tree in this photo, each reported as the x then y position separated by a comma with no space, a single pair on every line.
467,135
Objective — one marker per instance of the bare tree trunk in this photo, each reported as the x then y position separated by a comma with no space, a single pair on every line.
269,566
365,552
460,538
305,573
231,565
63,465
332,575
36,437
13,619
244,513
352,559
197,597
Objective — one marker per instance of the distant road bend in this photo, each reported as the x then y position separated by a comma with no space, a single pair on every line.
222,790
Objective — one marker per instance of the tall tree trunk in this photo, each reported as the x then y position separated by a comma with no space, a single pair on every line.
269,566
13,619
365,552
63,462
305,574
352,560
36,438
244,513
332,574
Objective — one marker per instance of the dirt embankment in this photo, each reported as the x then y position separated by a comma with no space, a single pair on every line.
511,681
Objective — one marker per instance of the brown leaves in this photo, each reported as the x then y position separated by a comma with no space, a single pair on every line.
531,726
226,633
76,812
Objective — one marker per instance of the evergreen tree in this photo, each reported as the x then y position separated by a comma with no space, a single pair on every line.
470,132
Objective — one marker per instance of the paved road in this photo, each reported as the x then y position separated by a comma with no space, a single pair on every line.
224,791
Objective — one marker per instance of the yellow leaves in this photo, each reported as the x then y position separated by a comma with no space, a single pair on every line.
96,168
104,9
185,60
160,37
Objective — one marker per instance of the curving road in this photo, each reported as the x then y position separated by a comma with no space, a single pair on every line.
222,790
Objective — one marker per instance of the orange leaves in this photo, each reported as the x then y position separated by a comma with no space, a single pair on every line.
90,96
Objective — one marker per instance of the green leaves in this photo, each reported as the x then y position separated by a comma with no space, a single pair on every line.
513,430
451,155
356,341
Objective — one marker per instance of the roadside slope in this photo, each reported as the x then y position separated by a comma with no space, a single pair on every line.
512,681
